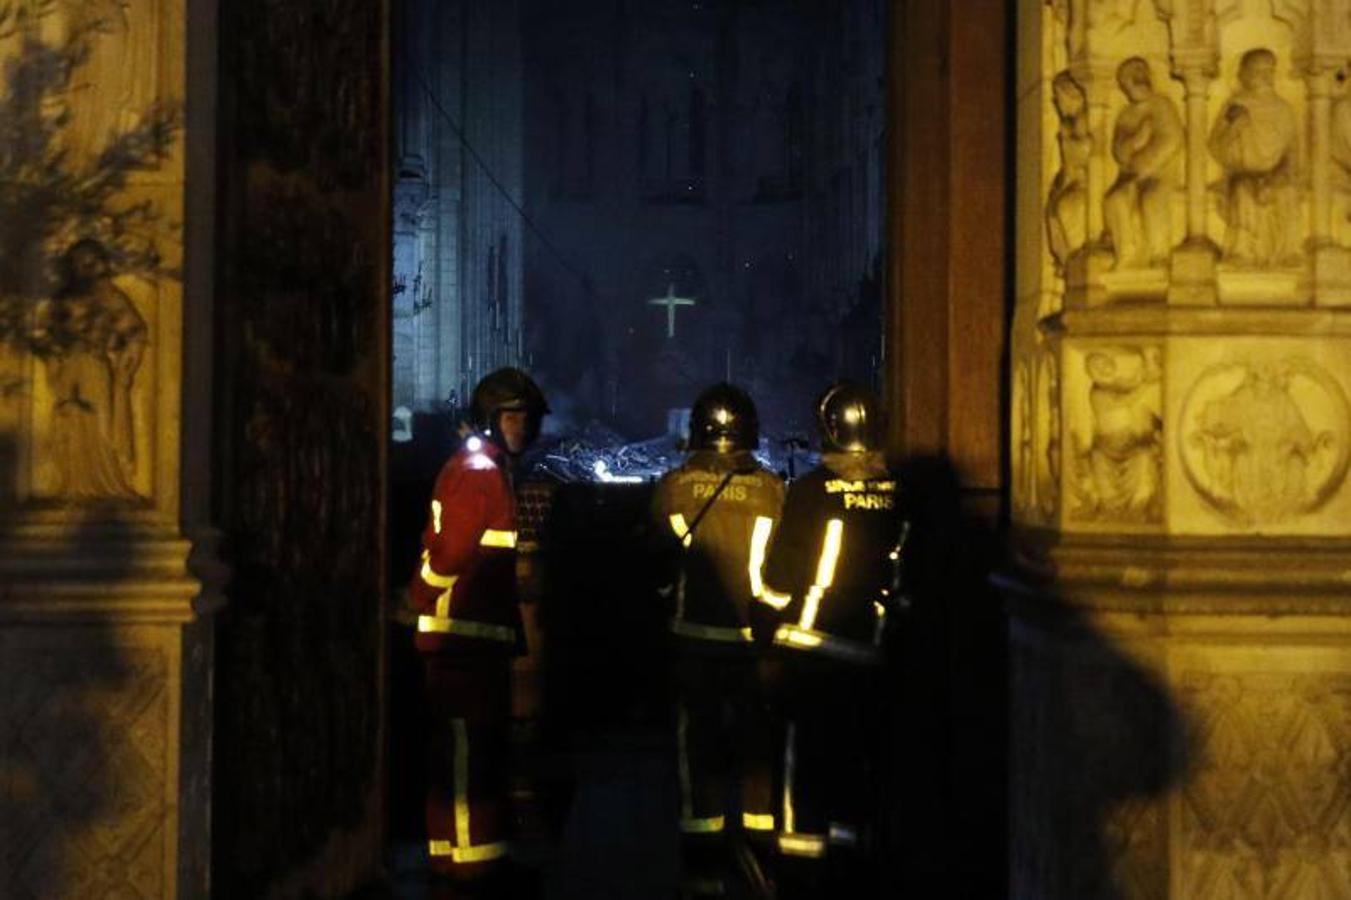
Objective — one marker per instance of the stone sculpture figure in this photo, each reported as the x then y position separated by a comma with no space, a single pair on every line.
1256,140
1147,144
1259,451
91,340
1119,471
1066,201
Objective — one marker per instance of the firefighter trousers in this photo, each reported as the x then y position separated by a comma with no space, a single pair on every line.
722,731
826,732
468,775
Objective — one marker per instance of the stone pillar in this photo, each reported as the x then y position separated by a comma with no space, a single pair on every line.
107,579
1180,617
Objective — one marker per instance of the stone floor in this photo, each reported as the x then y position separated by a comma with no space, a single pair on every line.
615,838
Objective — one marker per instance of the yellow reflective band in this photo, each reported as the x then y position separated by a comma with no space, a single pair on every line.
436,516
710,825
787,634
462,784
481,853
774,598
757,822
812,845
443,605
711,632
825,571
432,578
826,644
681,530
444,625
759,541
494,538
881,622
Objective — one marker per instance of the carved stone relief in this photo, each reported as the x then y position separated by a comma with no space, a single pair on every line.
1265,441
1339,150
1255,139
1119,454
1024,444
1066,203
91,341
79,231
1047,439
1147,144
83,773
1265,815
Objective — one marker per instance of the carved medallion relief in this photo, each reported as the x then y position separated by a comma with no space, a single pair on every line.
1265,440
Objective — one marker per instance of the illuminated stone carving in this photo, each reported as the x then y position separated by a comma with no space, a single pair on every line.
1066,220
1263,443
1339,151
1047,411
1118,470
91,340
1256,139
1264,814
1147,145
1024,464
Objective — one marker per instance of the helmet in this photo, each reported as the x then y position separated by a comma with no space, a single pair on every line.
850,419
506,389
724,419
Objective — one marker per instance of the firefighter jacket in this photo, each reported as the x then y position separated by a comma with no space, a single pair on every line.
465,588
717,511
833,570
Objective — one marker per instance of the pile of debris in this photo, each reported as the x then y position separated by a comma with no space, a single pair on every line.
599,454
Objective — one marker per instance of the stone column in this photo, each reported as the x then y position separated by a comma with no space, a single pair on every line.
1180,621
1330,263
1192,276
1084,274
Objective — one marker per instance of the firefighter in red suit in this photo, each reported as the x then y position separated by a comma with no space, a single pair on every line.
469,627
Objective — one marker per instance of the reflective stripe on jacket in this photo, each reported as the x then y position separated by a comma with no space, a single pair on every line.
464,590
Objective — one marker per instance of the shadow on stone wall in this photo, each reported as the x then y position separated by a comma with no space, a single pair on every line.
82,755
1064,802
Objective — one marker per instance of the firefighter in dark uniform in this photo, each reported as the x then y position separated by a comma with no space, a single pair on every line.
717,511
469,627
831,584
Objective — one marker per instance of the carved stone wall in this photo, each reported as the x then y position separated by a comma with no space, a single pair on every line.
1181,327
302,383
104,633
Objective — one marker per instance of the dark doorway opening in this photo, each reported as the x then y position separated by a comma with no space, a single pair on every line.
631,200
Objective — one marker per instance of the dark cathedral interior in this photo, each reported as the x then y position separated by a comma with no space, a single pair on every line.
495,449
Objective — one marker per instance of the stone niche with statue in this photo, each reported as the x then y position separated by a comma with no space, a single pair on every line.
1180,434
